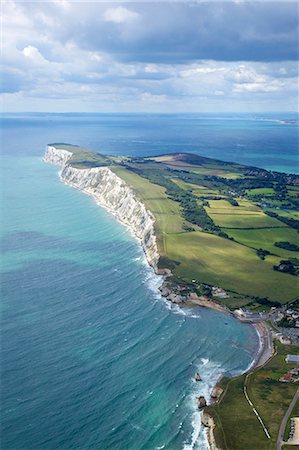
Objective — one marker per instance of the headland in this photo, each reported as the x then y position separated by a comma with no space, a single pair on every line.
202,225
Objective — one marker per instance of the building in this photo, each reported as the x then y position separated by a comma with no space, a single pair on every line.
292,359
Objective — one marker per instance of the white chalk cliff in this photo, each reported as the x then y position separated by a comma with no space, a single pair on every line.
111,192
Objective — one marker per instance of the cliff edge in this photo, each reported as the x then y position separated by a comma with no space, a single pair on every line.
111,192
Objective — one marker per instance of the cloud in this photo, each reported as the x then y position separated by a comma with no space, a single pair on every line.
120,15
172,32
161,54
260,86
34,55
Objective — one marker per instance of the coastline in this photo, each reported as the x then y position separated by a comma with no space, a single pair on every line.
170,292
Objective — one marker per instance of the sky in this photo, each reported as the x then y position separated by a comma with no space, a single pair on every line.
182,56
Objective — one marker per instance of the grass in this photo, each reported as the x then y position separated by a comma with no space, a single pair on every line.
266,238
224,207
244,220
289,213
83,158
246,215
268,394
182,184
237,425
206,257
260,191
167,212
220,262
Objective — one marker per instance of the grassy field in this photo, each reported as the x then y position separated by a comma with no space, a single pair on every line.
187,186
209,258
237,425
266,238
221,262
260,191
289,213
83,158
243,220
246,215
167,212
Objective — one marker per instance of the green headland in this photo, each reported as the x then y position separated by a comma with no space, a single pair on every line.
218,224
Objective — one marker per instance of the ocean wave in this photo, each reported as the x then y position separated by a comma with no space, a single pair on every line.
204,360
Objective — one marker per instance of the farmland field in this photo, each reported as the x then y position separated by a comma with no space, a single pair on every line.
221,262
244,220
167,212
266,238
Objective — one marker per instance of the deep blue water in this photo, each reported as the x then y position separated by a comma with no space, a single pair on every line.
269,141
92,357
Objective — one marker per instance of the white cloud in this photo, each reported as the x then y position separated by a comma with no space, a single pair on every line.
263,87
34,54
199,71
120,15
245,74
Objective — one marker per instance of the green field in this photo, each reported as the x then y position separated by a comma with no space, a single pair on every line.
187,186
260,191
83,158
167,212
243,220
289,213
204,256
237,425
214,260
246,215
217,261
266,238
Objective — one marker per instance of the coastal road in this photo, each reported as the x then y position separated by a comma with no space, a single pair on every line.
267,344
285,419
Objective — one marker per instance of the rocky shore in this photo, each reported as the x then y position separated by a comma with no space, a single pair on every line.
208,422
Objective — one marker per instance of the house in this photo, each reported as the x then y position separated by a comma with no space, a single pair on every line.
292,359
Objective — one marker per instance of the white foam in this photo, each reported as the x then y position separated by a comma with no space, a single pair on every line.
210,373
198,438
204,360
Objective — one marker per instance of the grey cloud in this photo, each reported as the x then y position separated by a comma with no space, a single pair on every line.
183,32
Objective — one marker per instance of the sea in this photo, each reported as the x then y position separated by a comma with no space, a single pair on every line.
91,356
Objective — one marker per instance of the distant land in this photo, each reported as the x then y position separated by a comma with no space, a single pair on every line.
223,236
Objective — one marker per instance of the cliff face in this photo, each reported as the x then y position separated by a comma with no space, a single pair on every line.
56,155
113,193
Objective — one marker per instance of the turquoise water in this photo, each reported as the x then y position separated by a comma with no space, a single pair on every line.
92,357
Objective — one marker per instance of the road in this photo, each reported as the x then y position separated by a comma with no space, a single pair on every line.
285,419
